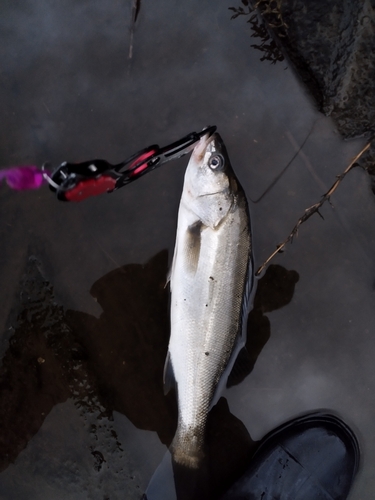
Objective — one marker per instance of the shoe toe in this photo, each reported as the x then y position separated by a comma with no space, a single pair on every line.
309,458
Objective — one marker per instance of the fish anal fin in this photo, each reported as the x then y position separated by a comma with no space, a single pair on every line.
168,376
243,365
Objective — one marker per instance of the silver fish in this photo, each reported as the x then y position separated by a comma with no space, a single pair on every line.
211,279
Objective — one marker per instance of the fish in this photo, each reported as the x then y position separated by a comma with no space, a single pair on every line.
211,280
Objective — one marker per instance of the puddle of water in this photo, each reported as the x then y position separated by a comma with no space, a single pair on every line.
69,92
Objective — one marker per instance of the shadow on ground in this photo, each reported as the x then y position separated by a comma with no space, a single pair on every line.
115,362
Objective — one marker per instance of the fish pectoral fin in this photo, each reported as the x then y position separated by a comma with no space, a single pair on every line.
168,376
168,279
171,270
243,365
193,245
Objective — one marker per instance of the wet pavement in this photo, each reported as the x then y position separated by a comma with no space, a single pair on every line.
83,309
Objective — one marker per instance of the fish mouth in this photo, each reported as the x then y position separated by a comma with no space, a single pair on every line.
211,142
210,130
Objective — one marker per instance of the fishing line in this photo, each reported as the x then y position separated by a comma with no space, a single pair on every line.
278,177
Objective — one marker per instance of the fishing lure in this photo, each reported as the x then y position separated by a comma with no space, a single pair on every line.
78,181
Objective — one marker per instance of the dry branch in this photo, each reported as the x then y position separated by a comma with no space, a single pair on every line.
314,208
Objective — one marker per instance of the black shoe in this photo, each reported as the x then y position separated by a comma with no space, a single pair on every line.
313,457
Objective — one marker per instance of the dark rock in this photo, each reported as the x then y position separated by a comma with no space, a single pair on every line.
331,46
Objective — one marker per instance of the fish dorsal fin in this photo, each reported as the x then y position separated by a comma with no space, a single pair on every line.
247,299
168,376
243,365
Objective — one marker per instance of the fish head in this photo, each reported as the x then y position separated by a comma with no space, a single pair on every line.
210,185
208,166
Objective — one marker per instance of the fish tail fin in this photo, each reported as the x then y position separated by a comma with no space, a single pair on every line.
187,447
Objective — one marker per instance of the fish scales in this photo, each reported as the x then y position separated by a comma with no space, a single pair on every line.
210,271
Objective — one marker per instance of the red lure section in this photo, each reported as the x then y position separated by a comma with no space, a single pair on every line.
142,157
90,187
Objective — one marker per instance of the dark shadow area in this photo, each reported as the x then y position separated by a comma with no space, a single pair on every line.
275,290
106,364
115,362
230,448
127,345
228,451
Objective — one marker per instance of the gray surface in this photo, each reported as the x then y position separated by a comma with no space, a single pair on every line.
69,92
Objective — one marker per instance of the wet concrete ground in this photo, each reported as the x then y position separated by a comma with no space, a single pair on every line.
82,410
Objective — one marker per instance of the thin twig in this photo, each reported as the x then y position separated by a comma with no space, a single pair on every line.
314,208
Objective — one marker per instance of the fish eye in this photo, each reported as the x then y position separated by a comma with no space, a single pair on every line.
215,162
